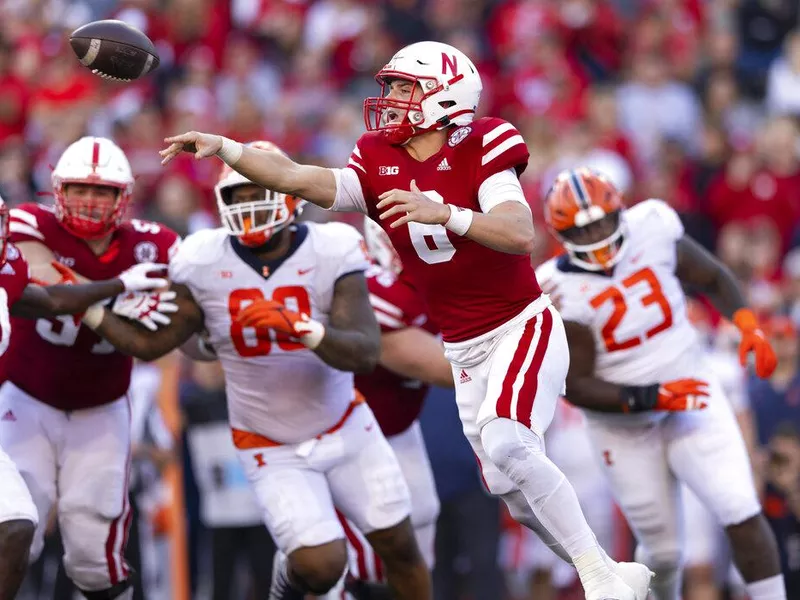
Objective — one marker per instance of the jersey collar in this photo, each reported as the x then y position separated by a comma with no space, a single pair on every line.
565,266
265,268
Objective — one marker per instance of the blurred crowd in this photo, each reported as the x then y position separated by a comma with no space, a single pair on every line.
696,102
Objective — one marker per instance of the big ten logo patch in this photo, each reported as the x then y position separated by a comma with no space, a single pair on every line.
388,170
145,252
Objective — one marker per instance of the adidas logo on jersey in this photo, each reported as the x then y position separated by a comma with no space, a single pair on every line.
8,416
443,166
464,377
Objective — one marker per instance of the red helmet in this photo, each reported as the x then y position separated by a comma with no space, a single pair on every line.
93,161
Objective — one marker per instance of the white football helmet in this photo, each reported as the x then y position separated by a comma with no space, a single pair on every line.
380,247
254,223
94,161
450,91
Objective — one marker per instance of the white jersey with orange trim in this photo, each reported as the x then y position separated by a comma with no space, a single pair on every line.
637,312
275,386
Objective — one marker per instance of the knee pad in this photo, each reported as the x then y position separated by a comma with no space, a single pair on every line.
87,538
512,447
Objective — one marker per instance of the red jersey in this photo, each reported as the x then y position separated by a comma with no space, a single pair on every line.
14,278
395,400
61,362
470,289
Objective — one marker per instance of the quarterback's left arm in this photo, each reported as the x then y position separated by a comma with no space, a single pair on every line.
71,299
350,341
505,223
700,270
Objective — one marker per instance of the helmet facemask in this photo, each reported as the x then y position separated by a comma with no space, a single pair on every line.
255,222
88,214
598,245
103,182
401,119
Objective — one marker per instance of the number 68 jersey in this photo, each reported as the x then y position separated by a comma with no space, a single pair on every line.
275,386
637,312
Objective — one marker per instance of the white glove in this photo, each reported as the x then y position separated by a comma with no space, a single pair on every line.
148,308
144,277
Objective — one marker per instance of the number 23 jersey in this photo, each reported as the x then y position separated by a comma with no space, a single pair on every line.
275,386
637,313
469,289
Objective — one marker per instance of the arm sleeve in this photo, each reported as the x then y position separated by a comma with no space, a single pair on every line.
349,193
501,187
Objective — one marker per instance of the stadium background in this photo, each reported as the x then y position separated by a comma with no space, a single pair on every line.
693,101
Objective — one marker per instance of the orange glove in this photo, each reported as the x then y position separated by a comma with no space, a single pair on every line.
682,394
673,396
754,340
273,315
68,276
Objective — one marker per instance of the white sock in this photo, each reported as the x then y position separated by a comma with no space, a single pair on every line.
771,588
519,453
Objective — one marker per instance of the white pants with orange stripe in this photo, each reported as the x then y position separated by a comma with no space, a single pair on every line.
646,460
77,461
517,372
353,469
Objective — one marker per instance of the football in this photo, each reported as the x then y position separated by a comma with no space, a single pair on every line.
114,50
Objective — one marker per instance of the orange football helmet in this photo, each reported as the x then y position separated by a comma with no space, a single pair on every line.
584,211
254,223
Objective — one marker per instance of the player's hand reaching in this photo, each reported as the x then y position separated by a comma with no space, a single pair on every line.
269,314
202,145
148,308
754,340
144,277
413,205
68,276
672,396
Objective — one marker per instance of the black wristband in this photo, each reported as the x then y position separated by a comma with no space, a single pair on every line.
639,398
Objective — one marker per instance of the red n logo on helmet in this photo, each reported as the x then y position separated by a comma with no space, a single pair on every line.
449,62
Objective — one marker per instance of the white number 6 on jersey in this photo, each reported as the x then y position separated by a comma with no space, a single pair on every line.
431,241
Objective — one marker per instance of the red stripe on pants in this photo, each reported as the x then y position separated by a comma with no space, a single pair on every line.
110,542
503,406
358,547
530,384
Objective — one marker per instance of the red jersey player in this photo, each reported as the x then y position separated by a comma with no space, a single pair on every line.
411,359
444,187
20,296
65,388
